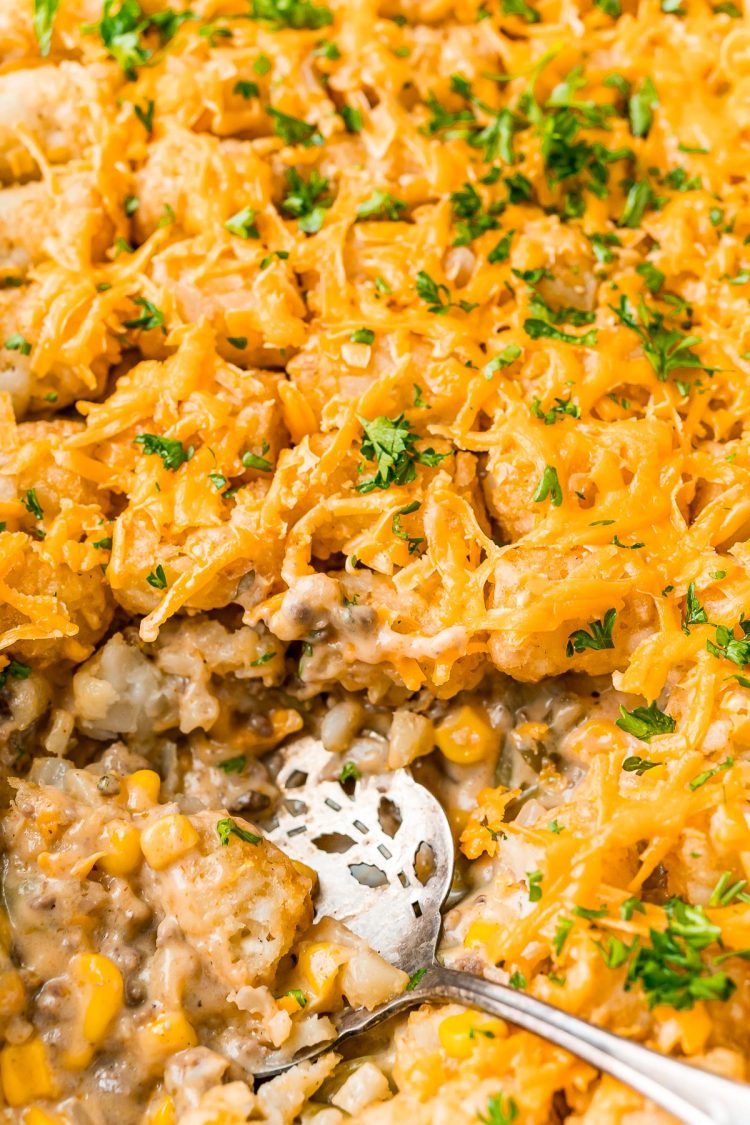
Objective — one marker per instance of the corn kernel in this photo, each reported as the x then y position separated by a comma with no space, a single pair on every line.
25,1073
461,1033
289,1004
36,1116
101,984
12,993
296,411
319,964
168,839
162,1112
123,849
465,736
168,1033
141,789
484,935
424,1077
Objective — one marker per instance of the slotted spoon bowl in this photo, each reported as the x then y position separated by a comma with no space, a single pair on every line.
383,851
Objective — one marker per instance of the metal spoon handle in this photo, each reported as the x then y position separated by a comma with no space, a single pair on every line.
695,1096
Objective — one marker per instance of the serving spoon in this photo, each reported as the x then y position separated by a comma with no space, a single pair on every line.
383,851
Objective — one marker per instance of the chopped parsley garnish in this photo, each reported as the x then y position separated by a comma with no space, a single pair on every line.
18,343
263,659
471,220
564,926
639,198
534,880
438,296
630,906
589,912
674,968
157,578
508,355
641,108
233,765
501,251
246,90
228,827
218,480
653,278
612,8
44,16
725,892
103,544
327,49
150,318
381,205
563,407
389,442
362,336
694,613
292,130
412,540
122,30
599,638
15,669
520,189
173,453
298,996
418,401
253,461
728,647
634,764
307,200
239,342
32,505
617,542
518,981
706,775
601,243
414,980
555,828
213,33
298,14
282,255
500,1111
538,329
615,952
145,114
352,118
350,772
549,485
666,349
645,722
242,224
522,9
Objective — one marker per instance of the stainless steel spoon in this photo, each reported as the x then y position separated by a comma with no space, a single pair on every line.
369,844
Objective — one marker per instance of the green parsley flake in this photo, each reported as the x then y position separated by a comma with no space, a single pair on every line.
645,722
44,16
549,485
389,442
157,578
233,765
228,827
242,224
599,638
173,453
